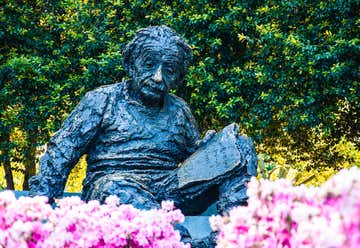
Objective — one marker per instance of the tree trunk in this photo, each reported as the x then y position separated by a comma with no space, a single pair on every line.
6,162
8,174
30,162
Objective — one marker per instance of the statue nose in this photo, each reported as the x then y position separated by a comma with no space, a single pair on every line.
158,75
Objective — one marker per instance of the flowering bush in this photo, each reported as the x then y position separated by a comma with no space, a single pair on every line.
31,222
281,215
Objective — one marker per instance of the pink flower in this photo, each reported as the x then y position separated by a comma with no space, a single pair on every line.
281,215
30,222
167,205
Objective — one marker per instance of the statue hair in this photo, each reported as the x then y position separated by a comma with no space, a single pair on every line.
163,34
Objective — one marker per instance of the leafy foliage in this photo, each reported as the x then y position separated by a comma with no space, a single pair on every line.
76,177
285,70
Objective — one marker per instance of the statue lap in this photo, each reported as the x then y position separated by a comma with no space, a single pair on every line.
194,185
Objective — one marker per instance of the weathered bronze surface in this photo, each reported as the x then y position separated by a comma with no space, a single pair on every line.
142,142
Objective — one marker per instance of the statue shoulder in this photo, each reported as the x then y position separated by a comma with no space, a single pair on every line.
106,89
179,105
100,97
178,102
189,123
105,92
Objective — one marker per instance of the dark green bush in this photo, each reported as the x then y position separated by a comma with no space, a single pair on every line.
279,68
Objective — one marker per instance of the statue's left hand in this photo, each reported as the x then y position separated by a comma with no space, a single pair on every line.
208,136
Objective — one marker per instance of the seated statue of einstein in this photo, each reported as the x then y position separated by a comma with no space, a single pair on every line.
142,142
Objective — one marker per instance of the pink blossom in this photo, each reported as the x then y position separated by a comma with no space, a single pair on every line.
31,222
281,215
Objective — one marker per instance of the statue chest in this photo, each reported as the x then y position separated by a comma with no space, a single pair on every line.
131,127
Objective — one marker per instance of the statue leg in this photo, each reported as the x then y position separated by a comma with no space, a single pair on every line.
127,189
232,192
225,191
227,188
218,171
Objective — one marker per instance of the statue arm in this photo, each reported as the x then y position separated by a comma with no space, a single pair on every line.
194,139
68,145
192,131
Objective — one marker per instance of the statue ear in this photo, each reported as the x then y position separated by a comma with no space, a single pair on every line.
131,70
128,60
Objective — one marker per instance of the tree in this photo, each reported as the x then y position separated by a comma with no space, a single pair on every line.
285,70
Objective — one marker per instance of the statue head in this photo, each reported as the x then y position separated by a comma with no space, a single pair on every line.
156,60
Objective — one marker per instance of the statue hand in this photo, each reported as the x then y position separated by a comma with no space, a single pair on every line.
208,136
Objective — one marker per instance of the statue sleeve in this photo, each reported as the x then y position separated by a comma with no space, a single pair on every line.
68,144
192,132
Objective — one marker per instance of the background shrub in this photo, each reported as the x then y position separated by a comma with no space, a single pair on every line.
287,71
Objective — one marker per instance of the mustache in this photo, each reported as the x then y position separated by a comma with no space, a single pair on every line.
149,82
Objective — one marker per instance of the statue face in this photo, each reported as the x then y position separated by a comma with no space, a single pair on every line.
155,72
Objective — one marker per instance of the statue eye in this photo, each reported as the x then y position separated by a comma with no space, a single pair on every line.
170,71
149,64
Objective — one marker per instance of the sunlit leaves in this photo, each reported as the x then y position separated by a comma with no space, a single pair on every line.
279,68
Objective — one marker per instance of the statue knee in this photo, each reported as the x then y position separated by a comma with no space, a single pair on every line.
232,193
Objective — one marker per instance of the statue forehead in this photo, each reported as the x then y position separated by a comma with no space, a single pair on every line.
156,41
161,48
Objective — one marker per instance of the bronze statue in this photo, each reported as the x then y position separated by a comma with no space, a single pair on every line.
136,135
